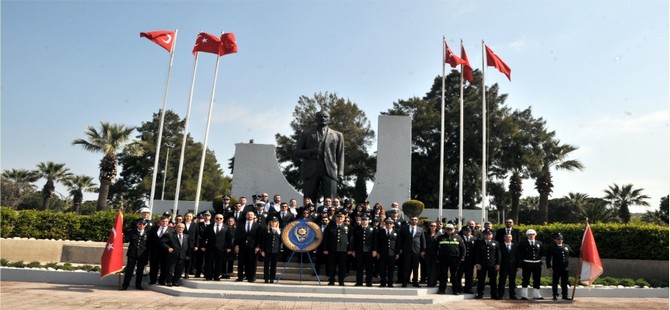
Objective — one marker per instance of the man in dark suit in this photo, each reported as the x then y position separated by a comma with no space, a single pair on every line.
509,263
218,239
468,264
411,245
487,258
157,254
337,238
137,254
361,246
202,243
236,212
178,250
508,230
322,153
557,261
192,231
247,246
385,250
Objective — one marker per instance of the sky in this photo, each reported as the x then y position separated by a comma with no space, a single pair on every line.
596,71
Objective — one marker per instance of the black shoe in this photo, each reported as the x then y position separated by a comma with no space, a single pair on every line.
331,283
152,283
416,285
555,297
478,296
467,291
368,285
524,298
216,279
341,283
441,292
123,288
225,276
251,280
513,297
382,285
169,284
358,284
404,285
390,285
456,293
238,280
140,288
566,298
197,276
538,298
186,277
175,284
161,282
497,298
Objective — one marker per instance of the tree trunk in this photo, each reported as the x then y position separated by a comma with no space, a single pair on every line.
102,194
515,189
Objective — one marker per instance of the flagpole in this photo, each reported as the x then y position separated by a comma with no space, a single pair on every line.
579,269
204,147
160,126
441,193
183,143
460,154
483,134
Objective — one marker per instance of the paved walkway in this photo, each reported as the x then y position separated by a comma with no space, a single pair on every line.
30,295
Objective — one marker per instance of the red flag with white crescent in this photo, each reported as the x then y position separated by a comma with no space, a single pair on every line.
112,257
164,38
592,267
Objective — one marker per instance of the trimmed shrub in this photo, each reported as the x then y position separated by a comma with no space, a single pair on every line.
412,207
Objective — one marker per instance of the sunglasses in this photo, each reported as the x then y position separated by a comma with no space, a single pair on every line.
218,218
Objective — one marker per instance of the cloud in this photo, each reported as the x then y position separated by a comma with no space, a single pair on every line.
626,123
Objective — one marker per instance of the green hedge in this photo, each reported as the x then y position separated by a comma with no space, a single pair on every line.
59,225
614,240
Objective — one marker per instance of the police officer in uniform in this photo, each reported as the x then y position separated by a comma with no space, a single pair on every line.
487,258
530,251
361,246
385,250
450,253
337,238
271,249
138,254
468,263
557,263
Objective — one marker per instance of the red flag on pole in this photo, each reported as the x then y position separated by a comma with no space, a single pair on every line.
450,57
492,60
112,257
467,70
207,43
228,43
592,268
164,38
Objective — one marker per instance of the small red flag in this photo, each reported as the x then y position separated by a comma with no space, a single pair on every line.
451,58
112,257
207,43
492,60
592,267
164,38
228,43
467,70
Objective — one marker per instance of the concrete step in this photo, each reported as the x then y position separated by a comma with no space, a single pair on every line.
296,291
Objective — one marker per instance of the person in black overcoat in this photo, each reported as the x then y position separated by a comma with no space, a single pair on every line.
137,254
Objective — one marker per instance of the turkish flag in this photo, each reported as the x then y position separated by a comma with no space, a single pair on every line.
112,257
228,43
492,60
164,38
467,70
592,267
207,43
451,58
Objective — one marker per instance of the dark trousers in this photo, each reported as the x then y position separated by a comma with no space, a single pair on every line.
246,263
137,265
321,259
199,262
337,261
364,263
429,270
157,264
481,280
506,273
386,269
528,270
270,266
561,275
174,267
466,269
448,268
214,262
410,265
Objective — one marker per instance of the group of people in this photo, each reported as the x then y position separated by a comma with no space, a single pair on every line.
365,238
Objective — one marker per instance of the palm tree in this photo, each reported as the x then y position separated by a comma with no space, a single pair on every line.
53,173
77,185
20,182
108,140
596,211
624,196
554,156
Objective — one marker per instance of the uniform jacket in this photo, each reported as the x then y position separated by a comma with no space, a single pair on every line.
528,253
557,257
337,239
272,241
363,239
385,243
137,244
487,254
450,246
469,257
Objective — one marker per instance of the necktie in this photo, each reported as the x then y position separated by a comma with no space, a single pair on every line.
248,226
180,240
388,232
532,243
411,231
509,247
283,214
509,231
236,215
160,232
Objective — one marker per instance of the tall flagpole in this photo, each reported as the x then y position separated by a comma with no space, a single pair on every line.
204,146
183,143
483,133
460,155
160,125
441,193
